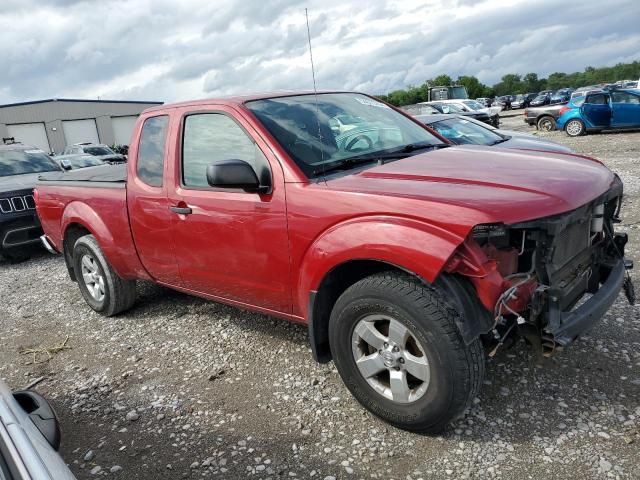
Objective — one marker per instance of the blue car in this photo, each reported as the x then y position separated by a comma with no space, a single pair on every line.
600,110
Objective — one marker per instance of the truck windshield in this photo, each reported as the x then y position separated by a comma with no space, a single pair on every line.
306,128
19,162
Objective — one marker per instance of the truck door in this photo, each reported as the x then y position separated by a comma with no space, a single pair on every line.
147,201
596,110
625,110
230,244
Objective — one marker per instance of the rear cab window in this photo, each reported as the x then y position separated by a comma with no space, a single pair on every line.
150,165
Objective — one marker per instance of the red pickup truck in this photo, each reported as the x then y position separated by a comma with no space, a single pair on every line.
407,258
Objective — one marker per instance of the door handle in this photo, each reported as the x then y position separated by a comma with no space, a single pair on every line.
181,210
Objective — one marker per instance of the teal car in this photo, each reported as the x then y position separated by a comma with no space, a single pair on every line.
600,110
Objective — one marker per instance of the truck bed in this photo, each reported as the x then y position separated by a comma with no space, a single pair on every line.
93,200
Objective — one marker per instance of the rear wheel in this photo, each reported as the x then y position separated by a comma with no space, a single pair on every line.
397,348
100,285
574,127
547,124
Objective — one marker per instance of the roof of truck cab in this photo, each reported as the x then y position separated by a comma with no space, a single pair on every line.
240,99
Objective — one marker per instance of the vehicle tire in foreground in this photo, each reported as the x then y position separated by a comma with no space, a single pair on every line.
100,285
574,127
397,348
546,124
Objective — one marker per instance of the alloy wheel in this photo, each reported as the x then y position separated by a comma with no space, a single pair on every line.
574,128
93,279
390,358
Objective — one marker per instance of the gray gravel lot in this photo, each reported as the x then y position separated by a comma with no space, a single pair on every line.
182,388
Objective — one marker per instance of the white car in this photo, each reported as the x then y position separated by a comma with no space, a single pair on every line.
473,106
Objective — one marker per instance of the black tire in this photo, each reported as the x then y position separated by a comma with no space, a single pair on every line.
574,127
546,124
118,294
456,369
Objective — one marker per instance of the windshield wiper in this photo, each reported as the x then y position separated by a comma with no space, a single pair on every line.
500,140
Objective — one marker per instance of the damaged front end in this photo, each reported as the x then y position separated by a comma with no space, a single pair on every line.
532,278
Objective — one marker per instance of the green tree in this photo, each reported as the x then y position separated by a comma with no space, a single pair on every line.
531,83
474,87
441,81
510,84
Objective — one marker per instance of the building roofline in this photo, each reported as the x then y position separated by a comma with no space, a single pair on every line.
79,100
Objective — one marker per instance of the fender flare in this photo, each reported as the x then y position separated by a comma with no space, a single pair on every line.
415,246
117,250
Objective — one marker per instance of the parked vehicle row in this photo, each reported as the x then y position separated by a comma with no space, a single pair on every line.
407,258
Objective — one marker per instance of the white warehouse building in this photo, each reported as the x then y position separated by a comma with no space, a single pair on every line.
52,124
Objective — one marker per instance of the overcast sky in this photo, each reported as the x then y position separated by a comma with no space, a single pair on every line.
172,50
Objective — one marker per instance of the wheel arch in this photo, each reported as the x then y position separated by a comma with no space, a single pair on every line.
322,300
113,237
352,251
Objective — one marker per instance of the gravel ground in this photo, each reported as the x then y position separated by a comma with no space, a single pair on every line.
182,388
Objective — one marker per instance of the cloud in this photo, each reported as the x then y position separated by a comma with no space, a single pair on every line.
166,50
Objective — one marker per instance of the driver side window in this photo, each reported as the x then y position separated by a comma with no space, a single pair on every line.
210,138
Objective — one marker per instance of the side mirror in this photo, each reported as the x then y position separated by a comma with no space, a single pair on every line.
66,164
236,174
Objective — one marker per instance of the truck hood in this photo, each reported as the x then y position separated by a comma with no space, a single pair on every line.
11,183
505,185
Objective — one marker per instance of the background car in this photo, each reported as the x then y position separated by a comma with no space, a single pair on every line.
461,131
29,438
603,110
540,100
103,152
77,160
20,166
523,100
543,118
561,96
473,106
448,108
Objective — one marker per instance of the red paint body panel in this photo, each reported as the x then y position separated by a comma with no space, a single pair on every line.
102,211
268,252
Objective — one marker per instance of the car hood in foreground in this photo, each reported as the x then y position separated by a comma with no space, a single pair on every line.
504,185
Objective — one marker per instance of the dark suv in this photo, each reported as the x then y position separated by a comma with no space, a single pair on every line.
20,167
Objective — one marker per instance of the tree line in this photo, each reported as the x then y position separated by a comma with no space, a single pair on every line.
513,83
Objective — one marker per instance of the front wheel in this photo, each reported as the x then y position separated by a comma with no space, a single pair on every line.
101,287
574,128
547,124
397,348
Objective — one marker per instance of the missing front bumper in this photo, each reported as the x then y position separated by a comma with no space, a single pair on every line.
567,326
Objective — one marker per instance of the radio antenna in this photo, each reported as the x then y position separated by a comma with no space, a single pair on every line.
315,93
313,71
